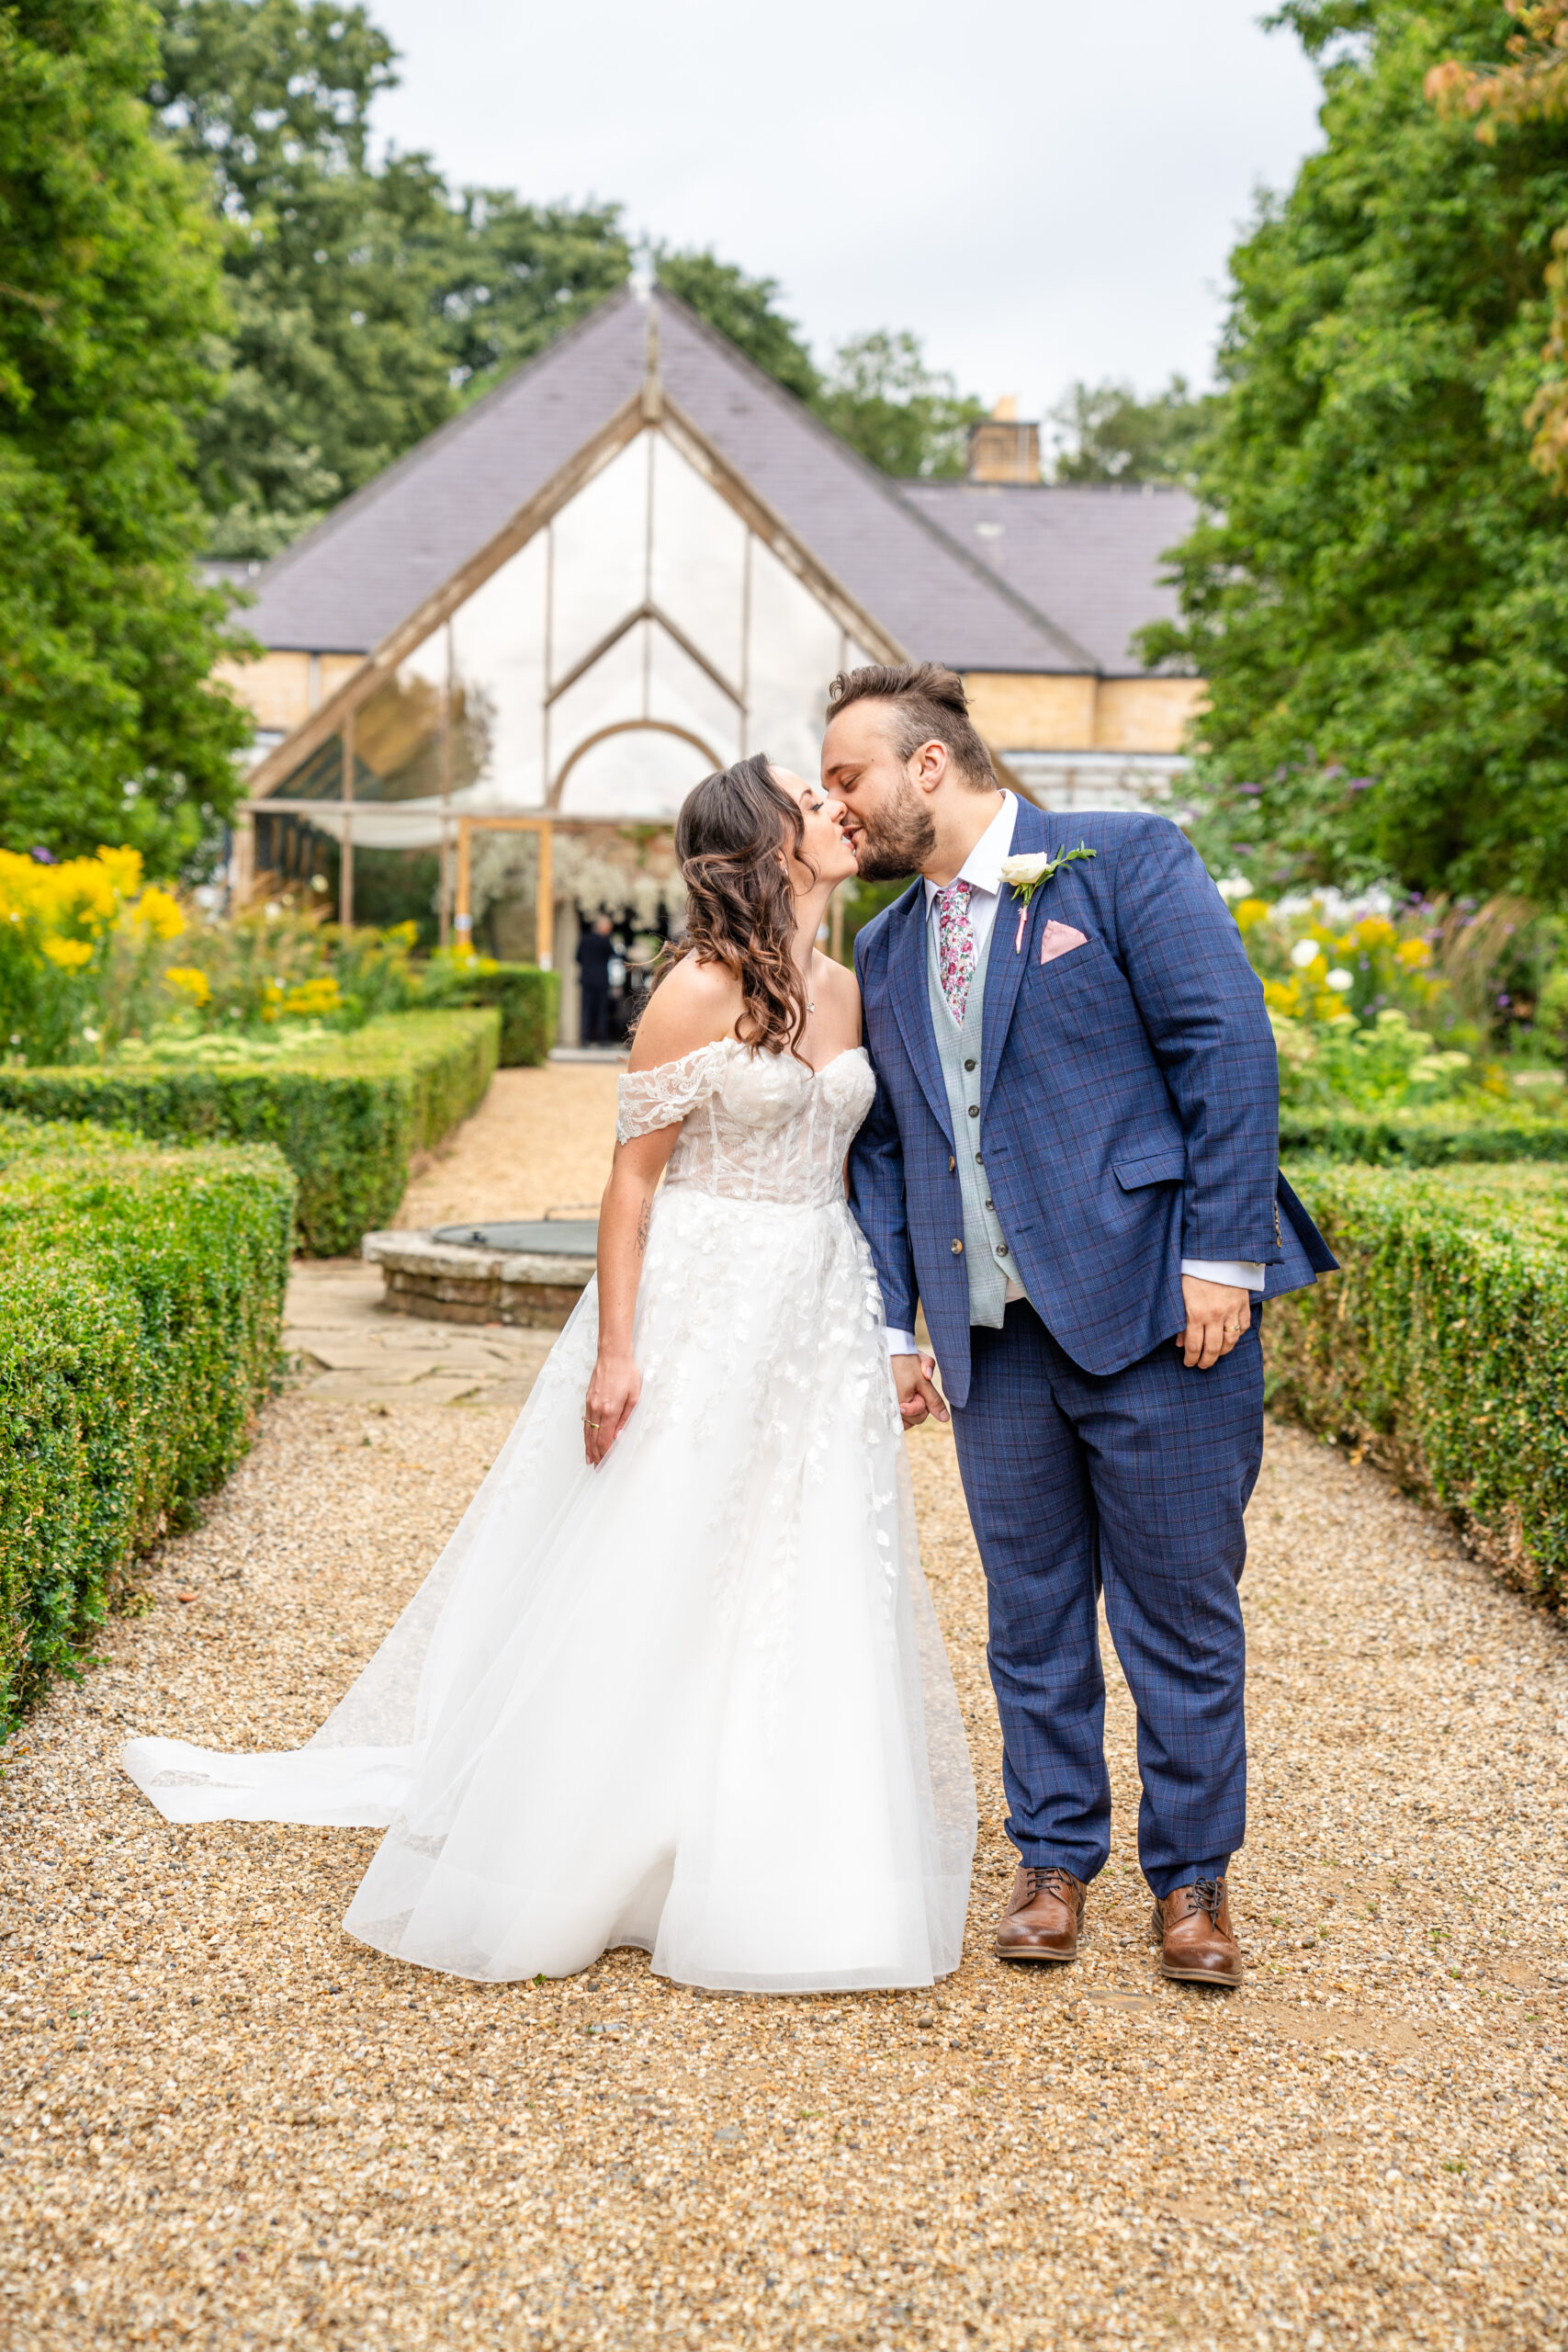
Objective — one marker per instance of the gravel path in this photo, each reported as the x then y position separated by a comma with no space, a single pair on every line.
541,1139
224,2124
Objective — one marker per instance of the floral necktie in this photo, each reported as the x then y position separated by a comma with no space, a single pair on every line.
955,946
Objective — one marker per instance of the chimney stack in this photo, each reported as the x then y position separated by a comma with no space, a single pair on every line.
1001,449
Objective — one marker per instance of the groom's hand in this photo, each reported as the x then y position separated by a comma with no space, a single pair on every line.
918,1396
1217,1315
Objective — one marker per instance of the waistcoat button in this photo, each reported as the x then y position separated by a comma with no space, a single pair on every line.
968,1064
958,1249
974,1109
1001,1249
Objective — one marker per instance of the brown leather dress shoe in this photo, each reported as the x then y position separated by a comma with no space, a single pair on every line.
1192,1927
1042,1917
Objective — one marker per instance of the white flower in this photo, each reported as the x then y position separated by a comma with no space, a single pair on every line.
1018,873
1303,953
1341,979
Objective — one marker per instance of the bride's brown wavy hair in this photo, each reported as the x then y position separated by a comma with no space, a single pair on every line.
741,909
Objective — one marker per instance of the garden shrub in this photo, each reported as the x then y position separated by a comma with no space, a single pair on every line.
1441,1346
530,1008
1423,1136
140,1298
346,1112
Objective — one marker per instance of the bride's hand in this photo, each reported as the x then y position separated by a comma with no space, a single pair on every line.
612,1397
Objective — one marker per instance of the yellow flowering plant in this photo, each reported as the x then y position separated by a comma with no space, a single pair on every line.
1362,1010
83,942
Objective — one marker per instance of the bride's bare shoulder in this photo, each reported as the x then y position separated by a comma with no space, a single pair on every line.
836,985
696,1006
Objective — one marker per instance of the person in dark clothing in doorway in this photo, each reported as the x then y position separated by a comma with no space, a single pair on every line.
594,951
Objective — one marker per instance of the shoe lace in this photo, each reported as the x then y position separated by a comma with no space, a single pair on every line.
1207,1893
1059,1880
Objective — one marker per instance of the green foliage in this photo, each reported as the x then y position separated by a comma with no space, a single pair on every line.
368,301
274,964
528,997
346,1113
1441,1348
743,309
906,417
140,1298
1474,1128
1379,592
109,303
1105,433
862,901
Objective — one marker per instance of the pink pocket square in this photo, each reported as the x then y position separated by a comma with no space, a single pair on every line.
1059,939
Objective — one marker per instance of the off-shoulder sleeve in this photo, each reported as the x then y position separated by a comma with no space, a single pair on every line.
647,1100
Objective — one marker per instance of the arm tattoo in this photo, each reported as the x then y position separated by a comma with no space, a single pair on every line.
643,1216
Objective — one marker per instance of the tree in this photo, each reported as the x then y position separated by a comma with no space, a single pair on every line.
743,309
1377,590
1105,433
110,306
368,301
1532,88
904,416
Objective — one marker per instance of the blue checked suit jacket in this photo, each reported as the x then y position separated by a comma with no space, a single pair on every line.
1129,1103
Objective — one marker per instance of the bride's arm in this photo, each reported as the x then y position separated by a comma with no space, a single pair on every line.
624,1215
696,1006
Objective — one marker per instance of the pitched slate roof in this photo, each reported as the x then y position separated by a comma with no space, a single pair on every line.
376,558
1088,554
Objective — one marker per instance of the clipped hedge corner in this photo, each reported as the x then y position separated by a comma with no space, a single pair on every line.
347,1111
140,1300
1441,1348
528,999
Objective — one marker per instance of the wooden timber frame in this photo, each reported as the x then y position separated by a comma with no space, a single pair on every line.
544,898
649,409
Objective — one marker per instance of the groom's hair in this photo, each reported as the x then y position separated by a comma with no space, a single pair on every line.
928,705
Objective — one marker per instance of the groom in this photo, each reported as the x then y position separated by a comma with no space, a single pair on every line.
1071,1163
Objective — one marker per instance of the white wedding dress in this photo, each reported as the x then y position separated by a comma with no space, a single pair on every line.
695,1700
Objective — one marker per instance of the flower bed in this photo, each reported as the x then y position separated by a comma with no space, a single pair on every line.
1440,1349
141,1298
347,1111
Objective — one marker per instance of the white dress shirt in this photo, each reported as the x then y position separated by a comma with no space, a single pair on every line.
982,869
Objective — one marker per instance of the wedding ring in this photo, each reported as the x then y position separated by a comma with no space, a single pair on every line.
590,1425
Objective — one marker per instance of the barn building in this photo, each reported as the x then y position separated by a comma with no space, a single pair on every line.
639,559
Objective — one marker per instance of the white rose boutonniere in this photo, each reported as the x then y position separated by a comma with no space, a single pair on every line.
1024,874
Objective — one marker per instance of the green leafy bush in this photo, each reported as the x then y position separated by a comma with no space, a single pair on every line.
1475,1127
530,1008
345,1111
1441,1346
141,1298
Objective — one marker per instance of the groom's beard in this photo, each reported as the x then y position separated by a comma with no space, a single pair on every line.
896,841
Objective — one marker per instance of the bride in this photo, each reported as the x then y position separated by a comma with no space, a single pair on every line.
676,1681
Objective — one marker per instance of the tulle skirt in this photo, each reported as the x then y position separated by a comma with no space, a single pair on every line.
695,1701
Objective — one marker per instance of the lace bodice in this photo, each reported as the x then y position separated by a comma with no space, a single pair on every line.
753,1127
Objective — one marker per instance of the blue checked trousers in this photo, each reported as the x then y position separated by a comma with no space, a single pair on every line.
1134,1481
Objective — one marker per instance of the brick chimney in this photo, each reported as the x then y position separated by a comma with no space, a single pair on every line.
1001,449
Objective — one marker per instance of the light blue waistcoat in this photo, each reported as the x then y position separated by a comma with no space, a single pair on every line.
986,1252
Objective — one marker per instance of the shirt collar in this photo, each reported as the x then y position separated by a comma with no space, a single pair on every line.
983,867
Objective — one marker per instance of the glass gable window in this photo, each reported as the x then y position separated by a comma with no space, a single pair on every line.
643,636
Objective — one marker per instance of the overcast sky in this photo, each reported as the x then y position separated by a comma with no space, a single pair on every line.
1042,191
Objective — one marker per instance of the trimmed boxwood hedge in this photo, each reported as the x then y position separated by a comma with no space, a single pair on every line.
1441,1346
529,1004
1433,1138
345,1110
140,1300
